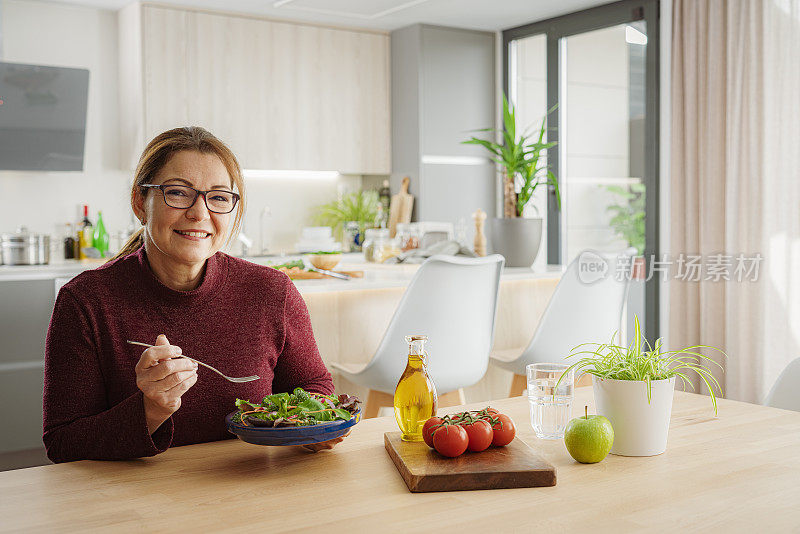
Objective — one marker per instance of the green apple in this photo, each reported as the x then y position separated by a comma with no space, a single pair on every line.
589,438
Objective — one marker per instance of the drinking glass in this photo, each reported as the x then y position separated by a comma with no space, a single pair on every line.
551,406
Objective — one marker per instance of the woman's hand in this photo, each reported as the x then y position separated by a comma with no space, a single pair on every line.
316,447
163,380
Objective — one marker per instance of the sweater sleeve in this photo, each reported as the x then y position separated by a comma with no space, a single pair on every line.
78,422
299,363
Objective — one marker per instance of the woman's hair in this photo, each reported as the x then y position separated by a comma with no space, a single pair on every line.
158,152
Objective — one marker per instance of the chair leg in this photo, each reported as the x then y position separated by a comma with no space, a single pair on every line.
453,398
375,401
518,384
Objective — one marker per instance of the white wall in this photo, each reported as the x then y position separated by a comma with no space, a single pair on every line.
72,36
65,36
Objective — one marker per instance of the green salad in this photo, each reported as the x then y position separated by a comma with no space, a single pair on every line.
299,408
298,264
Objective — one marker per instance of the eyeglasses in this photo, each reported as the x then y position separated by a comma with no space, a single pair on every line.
183,197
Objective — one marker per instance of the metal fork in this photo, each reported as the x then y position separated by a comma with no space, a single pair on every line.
229,378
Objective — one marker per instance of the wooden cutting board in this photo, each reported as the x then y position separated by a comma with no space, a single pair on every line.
301,274
512,466
400,208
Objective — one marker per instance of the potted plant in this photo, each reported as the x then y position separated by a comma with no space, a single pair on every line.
633,388
359,207
521,157
628,221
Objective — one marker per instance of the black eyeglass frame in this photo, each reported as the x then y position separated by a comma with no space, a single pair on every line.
197,193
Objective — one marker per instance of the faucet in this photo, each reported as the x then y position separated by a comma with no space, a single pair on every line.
246,243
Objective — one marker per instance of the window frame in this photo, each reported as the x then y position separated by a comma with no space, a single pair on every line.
597,18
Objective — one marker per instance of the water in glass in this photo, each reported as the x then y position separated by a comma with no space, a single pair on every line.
551,406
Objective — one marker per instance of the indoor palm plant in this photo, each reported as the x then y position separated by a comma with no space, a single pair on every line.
633,387
522,158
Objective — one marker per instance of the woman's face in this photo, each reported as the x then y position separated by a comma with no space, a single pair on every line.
169,228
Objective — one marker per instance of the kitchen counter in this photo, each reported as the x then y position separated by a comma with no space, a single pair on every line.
735,472
376,275
63,269
382,276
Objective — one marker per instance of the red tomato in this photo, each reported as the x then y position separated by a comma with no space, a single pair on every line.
450,440
427,433
504,430
480,435
492,411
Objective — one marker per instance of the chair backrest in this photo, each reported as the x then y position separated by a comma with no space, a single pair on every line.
581,310
453,301
785,393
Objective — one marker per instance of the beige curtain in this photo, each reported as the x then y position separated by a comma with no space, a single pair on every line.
735,183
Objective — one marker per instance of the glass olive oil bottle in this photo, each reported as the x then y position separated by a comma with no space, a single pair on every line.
415,398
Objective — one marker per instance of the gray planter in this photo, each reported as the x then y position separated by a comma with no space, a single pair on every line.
516,239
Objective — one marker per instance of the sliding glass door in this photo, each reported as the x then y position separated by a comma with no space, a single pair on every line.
598,69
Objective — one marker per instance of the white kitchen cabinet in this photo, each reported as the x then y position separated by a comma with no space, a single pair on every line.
24,320
444,88
282,95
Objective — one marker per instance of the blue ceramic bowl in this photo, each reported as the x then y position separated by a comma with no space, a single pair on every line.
288,435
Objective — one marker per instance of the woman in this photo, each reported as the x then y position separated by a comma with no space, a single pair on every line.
171,287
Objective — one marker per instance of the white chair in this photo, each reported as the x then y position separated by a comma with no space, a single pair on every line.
785,393
578,312
453,301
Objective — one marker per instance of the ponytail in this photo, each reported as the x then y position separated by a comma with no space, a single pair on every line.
132,245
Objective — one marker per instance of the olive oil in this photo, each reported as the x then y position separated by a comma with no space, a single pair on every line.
415,398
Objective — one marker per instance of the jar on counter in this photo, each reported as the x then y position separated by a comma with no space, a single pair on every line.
352,237
408,235
378,246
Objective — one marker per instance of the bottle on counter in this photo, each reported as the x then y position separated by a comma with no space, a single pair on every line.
69,242
85,234
352,237
100,237
415,398
385,197
380,220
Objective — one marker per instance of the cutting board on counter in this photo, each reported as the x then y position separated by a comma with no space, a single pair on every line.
301,274
400,207
514,466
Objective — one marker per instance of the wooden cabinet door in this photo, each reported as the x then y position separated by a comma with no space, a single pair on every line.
165,47
370,96
281,95
225,81
353,105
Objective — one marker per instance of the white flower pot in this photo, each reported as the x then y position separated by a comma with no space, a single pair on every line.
640,428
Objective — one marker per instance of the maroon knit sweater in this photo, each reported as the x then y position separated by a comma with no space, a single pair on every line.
243,319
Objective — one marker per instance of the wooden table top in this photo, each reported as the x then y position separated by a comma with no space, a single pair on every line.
739,470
